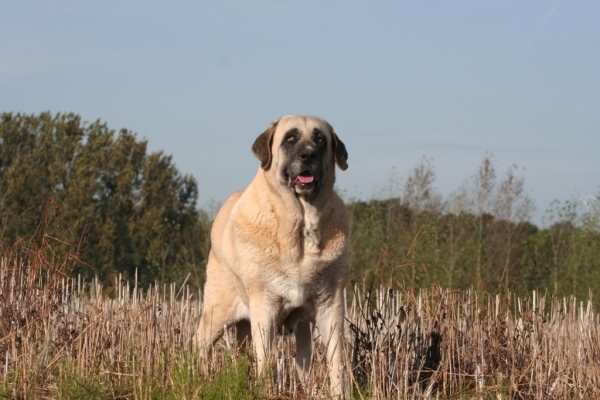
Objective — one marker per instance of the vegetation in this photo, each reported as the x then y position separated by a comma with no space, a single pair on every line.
125,210
479,237
65,338
133,215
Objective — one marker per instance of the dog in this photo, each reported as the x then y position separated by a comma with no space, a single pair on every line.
279,255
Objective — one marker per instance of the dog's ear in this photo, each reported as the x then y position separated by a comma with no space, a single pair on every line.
262,147
339,150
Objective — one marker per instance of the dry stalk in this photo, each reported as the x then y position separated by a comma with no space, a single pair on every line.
429,343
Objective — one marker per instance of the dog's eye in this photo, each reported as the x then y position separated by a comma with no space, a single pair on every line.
291,139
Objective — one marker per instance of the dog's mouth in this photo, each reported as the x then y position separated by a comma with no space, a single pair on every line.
305,181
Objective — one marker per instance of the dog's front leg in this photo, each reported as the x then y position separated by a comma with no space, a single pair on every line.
262,321
330,321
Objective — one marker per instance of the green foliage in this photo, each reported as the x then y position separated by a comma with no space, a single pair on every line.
564,257
479,237
114,206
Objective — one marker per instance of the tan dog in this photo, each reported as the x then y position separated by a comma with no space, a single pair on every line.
279,254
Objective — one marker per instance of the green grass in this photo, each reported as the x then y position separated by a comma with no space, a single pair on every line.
183,381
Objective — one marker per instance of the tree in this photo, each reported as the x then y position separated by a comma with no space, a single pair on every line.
513,208
564,256
119,208
484,183
419,193
425,204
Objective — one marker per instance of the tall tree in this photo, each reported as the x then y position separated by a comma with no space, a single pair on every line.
132,209
513,208
484,183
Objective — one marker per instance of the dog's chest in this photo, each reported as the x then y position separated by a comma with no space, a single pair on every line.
313,244
304,277
310,235
304,257
292,293
299,283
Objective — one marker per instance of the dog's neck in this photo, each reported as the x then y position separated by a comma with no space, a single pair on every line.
300,215
312,211
310,230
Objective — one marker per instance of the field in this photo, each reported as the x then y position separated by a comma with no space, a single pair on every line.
69,338
455,296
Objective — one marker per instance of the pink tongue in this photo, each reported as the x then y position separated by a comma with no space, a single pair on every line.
305,179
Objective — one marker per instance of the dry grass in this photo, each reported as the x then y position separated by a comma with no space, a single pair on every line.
456,344
65,338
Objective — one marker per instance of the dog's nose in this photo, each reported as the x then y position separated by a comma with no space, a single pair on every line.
307,154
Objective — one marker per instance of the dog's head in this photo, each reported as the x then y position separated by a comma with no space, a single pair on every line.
300,153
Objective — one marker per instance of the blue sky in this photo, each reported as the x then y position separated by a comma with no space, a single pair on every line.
398,81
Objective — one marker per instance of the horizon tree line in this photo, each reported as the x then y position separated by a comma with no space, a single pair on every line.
116,210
